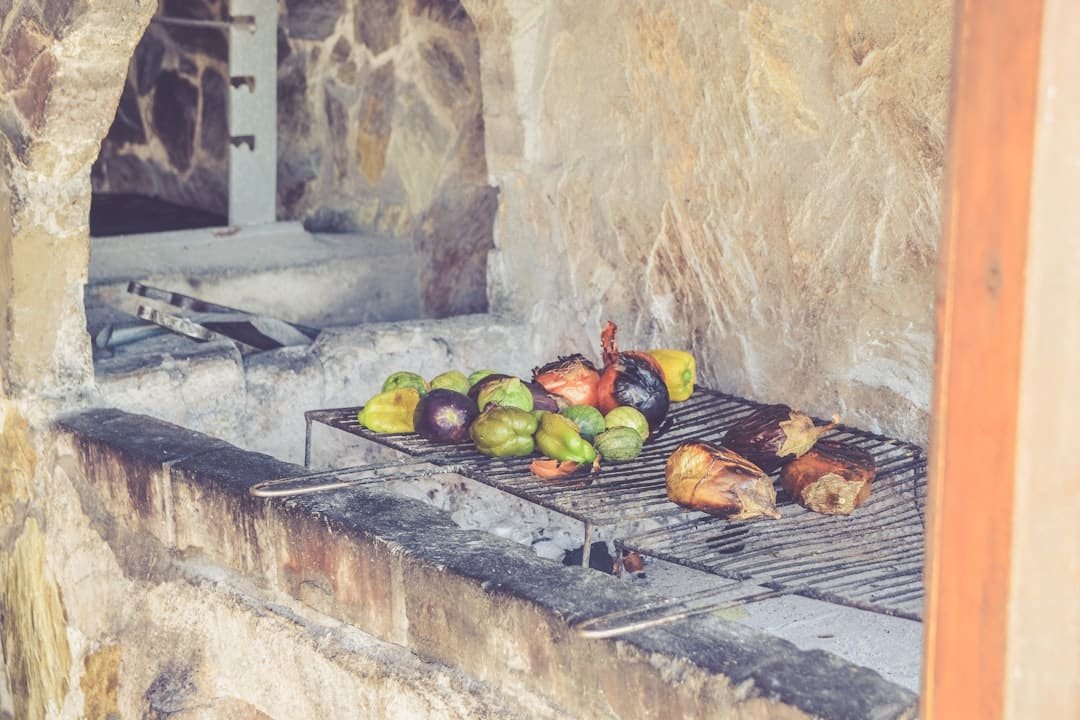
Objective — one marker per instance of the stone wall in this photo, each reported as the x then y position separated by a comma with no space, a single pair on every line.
169,138
379,120
61,72
380,129
758,181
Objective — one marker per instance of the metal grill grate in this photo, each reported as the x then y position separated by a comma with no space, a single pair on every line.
871,559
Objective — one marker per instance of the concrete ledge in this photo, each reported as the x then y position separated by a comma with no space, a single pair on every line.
405,573
258,401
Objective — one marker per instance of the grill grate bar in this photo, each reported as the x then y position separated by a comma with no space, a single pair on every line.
871,559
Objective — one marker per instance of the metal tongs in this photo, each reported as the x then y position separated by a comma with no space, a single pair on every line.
203,321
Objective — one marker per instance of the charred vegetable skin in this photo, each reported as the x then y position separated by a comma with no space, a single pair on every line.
444,416
773,435
832,478
503,431
716,480
391,411
633,379
573,378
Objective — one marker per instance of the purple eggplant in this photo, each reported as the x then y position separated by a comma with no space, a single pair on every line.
444,416
542,399
773,435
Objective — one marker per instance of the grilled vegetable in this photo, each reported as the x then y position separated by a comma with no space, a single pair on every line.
405,379
832,478
773,435
680,371
633,379
477,387
618,444
551,469
715,480
451,380
558,438
573,378
542,399
444,416
588,419
503,431
624,416
391,411
478,375
509,391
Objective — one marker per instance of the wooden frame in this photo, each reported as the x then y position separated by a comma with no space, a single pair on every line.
978,357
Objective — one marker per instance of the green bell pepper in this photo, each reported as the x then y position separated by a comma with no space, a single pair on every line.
390,411
504,431
451,380
558,438
404,379
510,392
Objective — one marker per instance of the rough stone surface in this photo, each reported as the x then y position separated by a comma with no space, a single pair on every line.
176,87
174,118
380,130
312,19
63,75
757,182
378,24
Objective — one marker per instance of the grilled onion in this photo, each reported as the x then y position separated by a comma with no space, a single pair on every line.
715,480
573,378
633,379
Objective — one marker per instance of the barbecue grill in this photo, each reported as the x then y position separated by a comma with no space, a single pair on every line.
871,560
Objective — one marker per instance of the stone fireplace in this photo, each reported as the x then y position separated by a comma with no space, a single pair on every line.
460,184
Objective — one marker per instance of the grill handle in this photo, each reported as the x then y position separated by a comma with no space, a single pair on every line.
665,612
338,478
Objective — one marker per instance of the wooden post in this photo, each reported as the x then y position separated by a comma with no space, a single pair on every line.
978,357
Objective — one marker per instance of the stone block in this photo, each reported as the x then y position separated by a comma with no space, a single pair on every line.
100,683
22,45
312,19
173,116
378,25
32,99
127,127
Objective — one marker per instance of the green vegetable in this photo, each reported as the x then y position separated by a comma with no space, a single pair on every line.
405,379
503,431
626,416
390,411
558,438
589,420
451,380
479,375
619,444
510,392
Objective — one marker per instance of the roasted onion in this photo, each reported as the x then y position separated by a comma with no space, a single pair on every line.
573,378
633,379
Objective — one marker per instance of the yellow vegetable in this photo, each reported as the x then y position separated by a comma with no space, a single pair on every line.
391,411
680,371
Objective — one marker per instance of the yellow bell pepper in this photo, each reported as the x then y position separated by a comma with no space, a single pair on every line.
391,411
680,371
